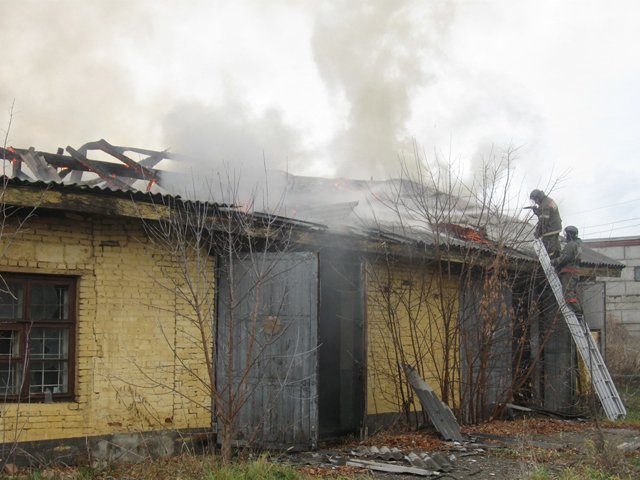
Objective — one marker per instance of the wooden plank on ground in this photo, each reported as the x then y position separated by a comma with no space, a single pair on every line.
390,468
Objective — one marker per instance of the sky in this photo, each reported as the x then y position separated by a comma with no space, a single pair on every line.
343,88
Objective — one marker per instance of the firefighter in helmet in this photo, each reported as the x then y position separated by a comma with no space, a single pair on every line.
549,222
568,266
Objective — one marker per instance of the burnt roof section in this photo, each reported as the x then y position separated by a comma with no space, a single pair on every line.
366,207
446,239
121,172
122,177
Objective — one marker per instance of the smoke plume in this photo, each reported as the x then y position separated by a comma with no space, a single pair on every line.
337,88
373,57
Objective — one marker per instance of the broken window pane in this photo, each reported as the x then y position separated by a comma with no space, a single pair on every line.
49,343
10,378
49,301
9,362
48,377
11,300
9,343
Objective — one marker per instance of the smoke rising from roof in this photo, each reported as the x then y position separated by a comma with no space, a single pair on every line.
374,56
153,75
218,137
370,57
247,87
342,86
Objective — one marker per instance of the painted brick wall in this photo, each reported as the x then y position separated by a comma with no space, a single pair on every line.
405,324
135,343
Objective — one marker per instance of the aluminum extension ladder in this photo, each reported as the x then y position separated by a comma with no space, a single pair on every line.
600,377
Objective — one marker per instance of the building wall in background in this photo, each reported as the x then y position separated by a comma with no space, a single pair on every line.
622,294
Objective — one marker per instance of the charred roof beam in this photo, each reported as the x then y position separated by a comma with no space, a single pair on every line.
142,171
65,162
98,169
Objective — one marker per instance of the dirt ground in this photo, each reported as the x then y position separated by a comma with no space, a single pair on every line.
496,450
510,450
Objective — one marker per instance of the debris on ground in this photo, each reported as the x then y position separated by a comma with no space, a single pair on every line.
394,460
493,450
498,449
529,426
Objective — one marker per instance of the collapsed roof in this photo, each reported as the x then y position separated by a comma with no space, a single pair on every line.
76,167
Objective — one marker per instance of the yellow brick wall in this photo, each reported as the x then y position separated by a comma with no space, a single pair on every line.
408,308
135,342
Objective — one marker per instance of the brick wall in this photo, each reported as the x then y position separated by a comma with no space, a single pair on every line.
136,343
406,310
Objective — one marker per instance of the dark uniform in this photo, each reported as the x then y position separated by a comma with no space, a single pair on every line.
549,222
568,266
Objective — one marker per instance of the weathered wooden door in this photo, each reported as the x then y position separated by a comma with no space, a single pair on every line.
266,361
486,339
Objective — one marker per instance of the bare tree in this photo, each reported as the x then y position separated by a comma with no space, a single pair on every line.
223,260
468,233
13,218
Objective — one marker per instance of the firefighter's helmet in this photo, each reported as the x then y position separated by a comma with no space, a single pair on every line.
571,231
536,195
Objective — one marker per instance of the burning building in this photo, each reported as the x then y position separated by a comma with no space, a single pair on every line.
137,322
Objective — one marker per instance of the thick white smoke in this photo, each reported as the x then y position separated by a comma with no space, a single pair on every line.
373,57
64,65
336,88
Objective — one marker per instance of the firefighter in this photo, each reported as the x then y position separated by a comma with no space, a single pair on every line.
549,222
568,266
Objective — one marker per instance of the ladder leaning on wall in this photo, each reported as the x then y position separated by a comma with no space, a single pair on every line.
600,377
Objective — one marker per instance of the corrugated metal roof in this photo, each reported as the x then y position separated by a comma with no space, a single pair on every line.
156,197
286,220
392,233
589,258
93,189
594,258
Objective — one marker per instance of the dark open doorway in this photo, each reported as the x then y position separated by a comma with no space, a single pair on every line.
341,339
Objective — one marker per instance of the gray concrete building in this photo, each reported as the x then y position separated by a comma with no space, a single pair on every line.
623,293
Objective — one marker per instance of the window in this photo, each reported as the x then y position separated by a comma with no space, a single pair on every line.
636,274
37,325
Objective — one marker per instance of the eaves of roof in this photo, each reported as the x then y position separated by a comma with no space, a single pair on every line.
132,193
428,239
631,241
590,257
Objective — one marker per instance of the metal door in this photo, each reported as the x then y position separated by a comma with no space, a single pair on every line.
266,360
592,296
486,336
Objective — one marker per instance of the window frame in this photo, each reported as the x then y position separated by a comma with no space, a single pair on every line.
25,325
